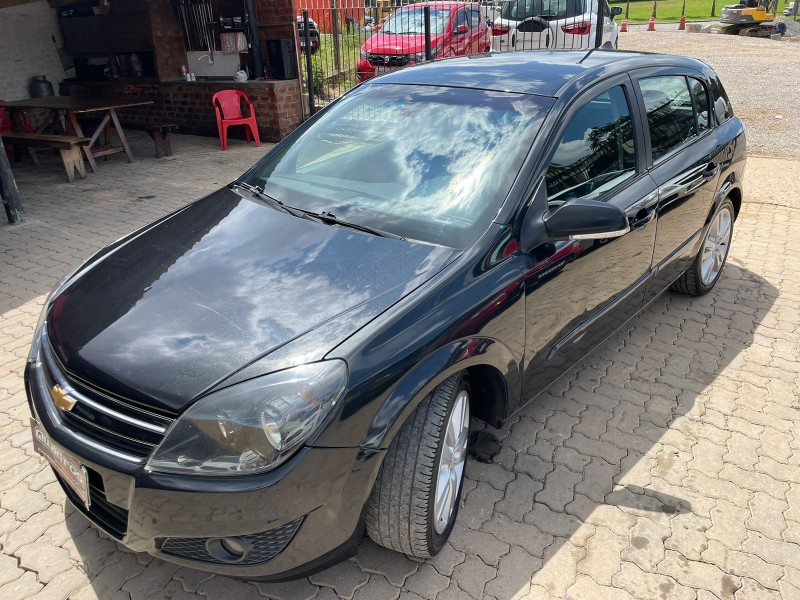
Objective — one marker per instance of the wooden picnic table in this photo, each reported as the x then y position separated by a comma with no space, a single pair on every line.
70,107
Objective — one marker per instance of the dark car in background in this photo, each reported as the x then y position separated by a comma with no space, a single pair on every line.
457,29
249,384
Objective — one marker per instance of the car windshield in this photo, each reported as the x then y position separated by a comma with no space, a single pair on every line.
547,9
411,21
423,162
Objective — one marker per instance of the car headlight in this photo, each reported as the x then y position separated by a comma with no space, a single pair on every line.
253,426
363,54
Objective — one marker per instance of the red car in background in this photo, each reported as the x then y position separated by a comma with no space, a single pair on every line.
457,29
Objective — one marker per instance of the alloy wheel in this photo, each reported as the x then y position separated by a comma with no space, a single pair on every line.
451,462
716,245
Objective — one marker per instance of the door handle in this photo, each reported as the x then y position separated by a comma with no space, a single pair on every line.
710,172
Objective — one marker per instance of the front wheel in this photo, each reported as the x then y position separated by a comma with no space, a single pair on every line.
702,276
414,503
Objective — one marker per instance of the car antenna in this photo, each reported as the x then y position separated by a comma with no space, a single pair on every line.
587,55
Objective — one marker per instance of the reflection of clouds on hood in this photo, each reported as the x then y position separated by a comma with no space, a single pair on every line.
255,281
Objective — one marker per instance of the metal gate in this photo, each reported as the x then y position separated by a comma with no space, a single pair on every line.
346,42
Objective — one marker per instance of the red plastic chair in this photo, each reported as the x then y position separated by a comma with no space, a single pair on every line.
6,125
228,105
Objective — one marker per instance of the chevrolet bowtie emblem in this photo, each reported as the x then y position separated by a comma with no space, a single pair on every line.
61,399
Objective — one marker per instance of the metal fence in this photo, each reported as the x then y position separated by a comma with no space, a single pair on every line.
345,42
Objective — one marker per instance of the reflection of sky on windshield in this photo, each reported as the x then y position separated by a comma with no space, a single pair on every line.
427,153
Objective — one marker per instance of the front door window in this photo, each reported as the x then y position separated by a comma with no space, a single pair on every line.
596,153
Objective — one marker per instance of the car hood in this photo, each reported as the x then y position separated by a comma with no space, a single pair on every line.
183,304
389,43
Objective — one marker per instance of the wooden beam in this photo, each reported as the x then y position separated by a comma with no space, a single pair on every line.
8,189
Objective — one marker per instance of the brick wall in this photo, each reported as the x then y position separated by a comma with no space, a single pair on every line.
276,20
167,39
27,48
277,104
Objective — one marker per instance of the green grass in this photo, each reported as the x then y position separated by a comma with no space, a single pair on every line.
330,82
669,11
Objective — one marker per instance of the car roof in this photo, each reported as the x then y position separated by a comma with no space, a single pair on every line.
538,72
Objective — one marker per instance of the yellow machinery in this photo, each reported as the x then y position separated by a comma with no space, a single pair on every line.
751,18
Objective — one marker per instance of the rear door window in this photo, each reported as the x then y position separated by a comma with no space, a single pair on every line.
670,116
596,152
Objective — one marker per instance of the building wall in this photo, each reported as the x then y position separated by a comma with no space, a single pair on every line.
277,104
27,48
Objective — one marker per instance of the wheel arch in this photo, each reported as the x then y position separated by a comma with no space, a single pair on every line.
731,188
494,376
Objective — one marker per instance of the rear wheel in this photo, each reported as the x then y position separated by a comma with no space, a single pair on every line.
706,269
414,503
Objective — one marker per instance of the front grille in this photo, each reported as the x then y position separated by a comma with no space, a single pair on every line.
263,546
388,60
101,512
130,431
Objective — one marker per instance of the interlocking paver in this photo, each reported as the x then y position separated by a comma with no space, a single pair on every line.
345,578
473,574
742,564
513,574
44,558
644,584
602,560
666,465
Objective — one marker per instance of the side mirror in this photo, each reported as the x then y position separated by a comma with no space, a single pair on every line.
616,11
461,29
586,220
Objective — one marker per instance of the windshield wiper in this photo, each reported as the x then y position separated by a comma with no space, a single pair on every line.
331,219
259,193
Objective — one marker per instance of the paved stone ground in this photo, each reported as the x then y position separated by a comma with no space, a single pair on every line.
666,465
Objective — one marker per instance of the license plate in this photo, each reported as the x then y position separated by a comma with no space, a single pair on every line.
71,470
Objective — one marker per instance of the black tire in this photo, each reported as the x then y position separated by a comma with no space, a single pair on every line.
400,508
691,282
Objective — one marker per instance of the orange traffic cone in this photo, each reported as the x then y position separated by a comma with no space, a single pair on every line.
624,26
651,26
682,24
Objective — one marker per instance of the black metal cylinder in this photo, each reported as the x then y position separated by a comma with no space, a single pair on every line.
598,40
426,12
255,42
309,68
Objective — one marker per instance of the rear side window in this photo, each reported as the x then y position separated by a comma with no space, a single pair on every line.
596,152
722,106
700,97
670,116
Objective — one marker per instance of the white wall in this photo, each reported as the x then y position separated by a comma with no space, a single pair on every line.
27,49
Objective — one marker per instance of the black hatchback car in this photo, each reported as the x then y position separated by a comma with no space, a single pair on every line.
250,383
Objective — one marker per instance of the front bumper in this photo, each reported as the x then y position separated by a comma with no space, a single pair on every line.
304,515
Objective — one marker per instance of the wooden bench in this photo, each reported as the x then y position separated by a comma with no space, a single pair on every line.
160,135
69,147
158,132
